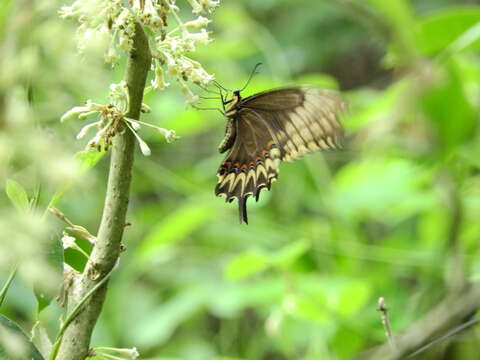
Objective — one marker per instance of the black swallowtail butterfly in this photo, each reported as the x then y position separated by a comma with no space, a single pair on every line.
269,127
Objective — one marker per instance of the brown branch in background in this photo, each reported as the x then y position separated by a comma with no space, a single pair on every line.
76,339
382,307
451,313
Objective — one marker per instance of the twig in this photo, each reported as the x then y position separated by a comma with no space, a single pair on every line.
439,321
382,307
452,332
105,253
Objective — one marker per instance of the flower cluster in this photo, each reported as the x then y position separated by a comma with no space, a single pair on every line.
170,44
111,120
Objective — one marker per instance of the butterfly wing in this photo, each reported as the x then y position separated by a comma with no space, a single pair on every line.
302,119
276,125
252,163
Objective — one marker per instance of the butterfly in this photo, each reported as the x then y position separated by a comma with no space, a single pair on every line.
269,127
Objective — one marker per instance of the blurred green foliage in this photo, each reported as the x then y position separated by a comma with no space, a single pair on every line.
337,231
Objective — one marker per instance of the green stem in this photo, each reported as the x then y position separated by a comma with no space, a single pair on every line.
4,290
75,341
73,314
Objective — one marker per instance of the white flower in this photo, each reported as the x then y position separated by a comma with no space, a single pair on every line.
74,112
144,148
200,76
191,97
66,12
196,7
135,125
198,22
159,81
83,131
145,108
111,56
68,241
115,353
170,135
201,37
209,4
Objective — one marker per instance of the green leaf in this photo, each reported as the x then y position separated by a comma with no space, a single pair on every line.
174,228
399,16
89,158
245,265
162,321
290,253
54,256
468,40
15,344
310,308
364,190
320,80
353,297
372,106
440,29
5,12
17,195
457,106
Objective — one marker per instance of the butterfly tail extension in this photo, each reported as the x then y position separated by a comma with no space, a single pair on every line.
242,209
237,180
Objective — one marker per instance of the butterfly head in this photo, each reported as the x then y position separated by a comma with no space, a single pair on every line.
233,103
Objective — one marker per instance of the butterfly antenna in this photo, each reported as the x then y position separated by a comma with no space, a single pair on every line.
251,75
206,89
220,86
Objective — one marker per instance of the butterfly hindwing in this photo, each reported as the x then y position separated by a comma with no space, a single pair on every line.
252,163
282,124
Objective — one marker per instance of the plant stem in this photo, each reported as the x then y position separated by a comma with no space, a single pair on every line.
3,292
76,339
74,313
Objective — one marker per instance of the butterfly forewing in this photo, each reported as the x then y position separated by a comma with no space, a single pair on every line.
282,124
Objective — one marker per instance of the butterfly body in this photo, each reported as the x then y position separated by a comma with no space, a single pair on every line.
269,127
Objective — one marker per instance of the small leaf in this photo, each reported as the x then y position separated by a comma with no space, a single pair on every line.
290,253
17,195
440,29
89,158
41,340
15,344
245,265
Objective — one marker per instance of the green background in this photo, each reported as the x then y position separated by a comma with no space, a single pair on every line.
394,215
